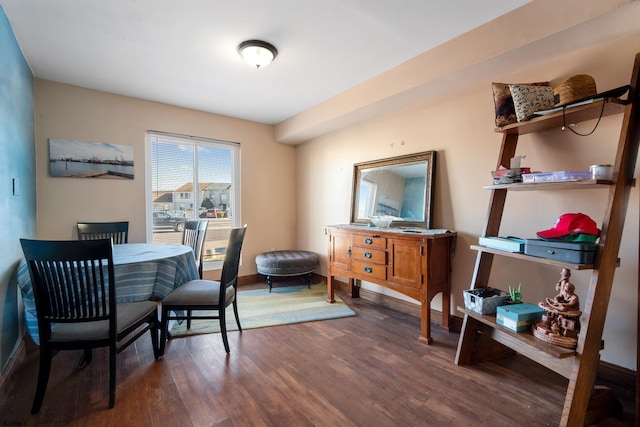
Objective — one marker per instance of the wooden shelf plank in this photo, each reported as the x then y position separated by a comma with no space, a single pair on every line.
532,258
546,186
572,115
524,340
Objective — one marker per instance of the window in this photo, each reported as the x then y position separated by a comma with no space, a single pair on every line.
193,178
367,198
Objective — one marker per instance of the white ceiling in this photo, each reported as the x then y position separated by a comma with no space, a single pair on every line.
184,52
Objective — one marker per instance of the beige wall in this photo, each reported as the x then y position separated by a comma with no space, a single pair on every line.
460,127
68,112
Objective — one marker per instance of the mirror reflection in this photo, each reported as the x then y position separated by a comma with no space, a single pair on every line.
398,188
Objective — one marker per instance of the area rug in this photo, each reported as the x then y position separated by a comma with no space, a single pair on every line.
260,308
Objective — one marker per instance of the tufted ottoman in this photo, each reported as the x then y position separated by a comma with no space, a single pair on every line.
287,263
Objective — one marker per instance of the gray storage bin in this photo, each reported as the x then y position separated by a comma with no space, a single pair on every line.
487,304
575,253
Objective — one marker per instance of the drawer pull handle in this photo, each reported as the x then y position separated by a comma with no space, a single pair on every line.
368,255
551,252
368,240
368,269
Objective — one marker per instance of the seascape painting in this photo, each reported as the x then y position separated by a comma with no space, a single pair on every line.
78,159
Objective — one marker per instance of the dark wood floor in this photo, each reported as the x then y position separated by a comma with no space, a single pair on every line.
368,370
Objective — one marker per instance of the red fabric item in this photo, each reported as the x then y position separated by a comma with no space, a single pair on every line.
570,223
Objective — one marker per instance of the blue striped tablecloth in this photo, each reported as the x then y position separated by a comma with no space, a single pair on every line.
143,271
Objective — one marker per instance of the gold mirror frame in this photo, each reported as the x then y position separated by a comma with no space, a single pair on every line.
401,187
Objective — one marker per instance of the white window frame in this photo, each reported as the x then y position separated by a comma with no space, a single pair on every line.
234,196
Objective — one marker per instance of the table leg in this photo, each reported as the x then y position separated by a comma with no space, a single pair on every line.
330,295
353,289
446,311
425,320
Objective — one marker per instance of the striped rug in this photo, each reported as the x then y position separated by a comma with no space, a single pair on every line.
260,308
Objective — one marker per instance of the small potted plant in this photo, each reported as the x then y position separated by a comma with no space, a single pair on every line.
516,295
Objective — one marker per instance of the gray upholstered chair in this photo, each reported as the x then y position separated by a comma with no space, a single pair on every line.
207,295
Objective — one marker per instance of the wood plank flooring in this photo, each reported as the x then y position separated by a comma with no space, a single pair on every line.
368,370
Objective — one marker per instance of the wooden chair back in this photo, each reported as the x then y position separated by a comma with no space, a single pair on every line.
231,263
75,296
193,235
72,282
117,231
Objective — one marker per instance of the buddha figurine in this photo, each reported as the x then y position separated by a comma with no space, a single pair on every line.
561,323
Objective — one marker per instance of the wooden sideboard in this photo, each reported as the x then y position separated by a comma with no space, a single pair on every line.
416,263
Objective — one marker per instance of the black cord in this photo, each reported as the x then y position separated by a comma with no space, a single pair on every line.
564,123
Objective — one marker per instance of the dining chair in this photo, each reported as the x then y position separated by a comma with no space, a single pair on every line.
193,235
74,291
207,295
118,231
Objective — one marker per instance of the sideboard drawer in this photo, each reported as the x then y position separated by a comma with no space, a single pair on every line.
369,240
369,255
364,269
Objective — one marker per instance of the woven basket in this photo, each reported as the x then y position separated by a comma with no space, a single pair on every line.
575,88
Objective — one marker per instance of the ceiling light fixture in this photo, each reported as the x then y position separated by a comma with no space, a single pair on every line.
257,53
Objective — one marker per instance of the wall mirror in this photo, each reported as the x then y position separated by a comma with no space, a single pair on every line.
399,187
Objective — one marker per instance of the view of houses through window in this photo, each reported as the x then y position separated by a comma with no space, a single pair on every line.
193,179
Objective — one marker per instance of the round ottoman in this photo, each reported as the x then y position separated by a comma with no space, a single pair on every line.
286,263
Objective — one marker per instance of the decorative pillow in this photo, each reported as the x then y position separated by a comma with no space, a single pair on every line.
528,99
505,110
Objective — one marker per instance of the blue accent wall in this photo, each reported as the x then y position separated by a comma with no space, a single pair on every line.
17,180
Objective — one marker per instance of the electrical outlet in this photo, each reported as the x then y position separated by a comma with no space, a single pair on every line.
273,249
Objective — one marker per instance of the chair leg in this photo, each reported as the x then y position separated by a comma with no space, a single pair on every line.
112,374
223,329
269,282
154,338
86,358
43,377
235,311
188,319
163,329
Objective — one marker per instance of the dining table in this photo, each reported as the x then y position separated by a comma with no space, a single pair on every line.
143,271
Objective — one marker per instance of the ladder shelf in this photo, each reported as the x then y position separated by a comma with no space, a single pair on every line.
481,338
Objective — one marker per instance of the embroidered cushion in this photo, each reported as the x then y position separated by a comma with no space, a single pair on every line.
527,99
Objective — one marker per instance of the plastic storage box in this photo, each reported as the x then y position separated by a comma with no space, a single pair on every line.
558,176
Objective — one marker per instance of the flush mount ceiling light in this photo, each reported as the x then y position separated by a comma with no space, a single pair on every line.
257,53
